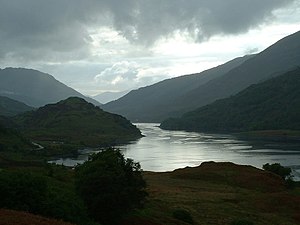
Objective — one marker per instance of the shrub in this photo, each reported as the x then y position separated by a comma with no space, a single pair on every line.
30,192
110,185
183,215
278,169
22,191
242,222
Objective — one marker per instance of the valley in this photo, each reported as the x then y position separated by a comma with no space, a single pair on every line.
199,141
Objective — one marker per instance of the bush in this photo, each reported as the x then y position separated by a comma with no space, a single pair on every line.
242,222
110,185
278,169
30,192
22,191
183,215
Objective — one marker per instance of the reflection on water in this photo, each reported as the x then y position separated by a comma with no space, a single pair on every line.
162,150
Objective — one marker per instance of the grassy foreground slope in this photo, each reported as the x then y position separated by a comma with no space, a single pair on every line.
271,105
212,193
76,121
11,217
220,193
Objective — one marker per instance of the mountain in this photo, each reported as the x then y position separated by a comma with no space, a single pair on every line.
281,57
10,107
76,121
35,88
271,105
155,103
109,96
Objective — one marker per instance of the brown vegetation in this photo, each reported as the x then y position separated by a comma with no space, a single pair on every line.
11,217
219,193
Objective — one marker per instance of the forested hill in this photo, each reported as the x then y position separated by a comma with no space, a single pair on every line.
271,105
78,122
11,140
10,107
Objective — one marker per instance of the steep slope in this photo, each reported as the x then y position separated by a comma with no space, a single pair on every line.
157,102
281,57
35,88
11,140
76,121
147,105
12,217
271,105
10,107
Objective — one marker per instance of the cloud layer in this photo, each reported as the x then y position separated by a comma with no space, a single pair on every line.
112,45
60,30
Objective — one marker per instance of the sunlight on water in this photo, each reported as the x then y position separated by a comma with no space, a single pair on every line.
168,150
162,150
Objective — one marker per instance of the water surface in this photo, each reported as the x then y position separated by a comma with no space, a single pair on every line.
162,150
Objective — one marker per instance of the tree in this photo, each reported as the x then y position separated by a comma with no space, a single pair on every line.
110,185
36,193
284,172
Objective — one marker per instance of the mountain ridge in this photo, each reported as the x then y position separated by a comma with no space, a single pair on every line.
162,94
280,57
270,105
35,88
109,96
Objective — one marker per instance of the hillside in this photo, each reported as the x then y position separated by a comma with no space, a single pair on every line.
35,88
11,140
281,57
78,122
155,103
220,194
10,107
270,105
11,217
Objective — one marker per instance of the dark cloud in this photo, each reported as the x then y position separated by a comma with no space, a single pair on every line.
200,19
58,30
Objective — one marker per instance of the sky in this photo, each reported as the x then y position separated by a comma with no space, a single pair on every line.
95,46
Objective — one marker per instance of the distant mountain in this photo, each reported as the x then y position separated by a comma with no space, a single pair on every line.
271,105
35,88
109,96
10,107
156,102
76,121
281,57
